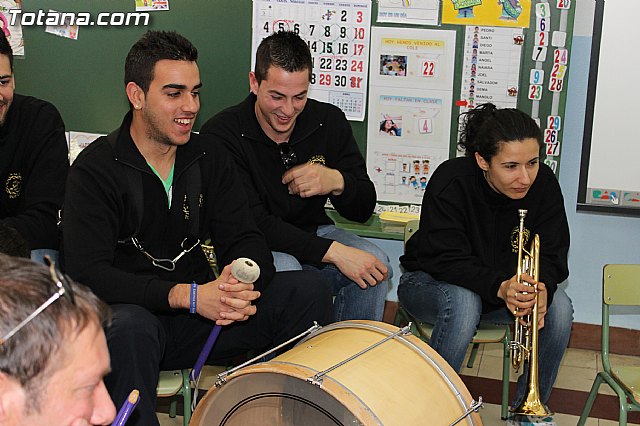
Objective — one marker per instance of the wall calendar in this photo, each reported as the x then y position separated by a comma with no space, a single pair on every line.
338,35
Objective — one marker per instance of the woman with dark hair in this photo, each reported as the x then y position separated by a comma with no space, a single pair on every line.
461,263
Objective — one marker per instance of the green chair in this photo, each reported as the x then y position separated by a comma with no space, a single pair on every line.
620,286
176,383
486,333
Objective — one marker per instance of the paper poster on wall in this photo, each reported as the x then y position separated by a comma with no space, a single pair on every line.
151,5
13,33
400,174
417,12
65,30
338,36
79,141
496,13
410,98
491,67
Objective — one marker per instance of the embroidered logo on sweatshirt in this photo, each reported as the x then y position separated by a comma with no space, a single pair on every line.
13,185
318,159
514,238
185,208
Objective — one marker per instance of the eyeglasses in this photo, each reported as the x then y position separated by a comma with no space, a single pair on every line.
63,289
166,264
288,155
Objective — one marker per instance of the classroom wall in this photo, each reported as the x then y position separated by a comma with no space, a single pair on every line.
596,239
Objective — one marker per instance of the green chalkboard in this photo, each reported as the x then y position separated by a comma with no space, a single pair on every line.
84,78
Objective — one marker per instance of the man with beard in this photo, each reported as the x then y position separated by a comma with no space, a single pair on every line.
33,163
139,203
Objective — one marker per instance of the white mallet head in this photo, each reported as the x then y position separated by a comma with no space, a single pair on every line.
245,270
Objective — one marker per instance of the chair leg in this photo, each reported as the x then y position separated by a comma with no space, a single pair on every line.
401,317
590,400
186,397
623,415
173,407
398,318
472,355
504,409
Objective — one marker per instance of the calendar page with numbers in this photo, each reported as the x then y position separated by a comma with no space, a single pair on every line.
337,33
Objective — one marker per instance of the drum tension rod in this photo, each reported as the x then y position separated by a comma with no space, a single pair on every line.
474,407
318,377
222,377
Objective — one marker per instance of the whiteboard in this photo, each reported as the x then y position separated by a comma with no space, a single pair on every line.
610,169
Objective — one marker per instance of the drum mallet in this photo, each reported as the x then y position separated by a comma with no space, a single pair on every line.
244,270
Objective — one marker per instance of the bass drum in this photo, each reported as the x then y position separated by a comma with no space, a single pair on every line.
401,381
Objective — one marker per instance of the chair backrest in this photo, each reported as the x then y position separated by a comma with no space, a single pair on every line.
621,284
410,228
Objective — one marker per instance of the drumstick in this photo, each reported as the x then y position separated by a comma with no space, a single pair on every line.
244,270
204,353
127,408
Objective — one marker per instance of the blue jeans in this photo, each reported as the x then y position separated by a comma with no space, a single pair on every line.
351,301
38,255
456,312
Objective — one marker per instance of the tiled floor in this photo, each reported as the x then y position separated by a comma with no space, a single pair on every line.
577,372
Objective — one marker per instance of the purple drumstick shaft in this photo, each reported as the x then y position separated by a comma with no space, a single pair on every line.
204,353
213,336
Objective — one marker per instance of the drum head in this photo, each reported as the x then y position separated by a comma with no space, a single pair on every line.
274,399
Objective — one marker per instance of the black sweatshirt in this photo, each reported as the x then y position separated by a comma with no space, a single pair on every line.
468,232
99,211
321,134
34,164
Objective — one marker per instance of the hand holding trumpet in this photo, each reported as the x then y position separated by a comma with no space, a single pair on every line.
520,297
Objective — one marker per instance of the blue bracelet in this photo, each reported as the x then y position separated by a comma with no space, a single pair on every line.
193,300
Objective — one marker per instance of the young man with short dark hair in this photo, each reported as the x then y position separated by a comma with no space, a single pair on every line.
139,203
294,153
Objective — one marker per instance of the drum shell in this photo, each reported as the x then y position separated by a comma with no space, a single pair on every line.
400,382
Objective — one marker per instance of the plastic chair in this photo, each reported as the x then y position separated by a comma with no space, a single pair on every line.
486,333
176,382
620,286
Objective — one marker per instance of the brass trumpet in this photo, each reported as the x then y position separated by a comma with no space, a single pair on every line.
524,346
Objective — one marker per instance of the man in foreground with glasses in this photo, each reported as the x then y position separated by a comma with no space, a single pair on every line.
293,153
53,352
139,203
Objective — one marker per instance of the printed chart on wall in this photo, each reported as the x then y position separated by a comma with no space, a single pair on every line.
491,66
410,98
554,42
338,36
